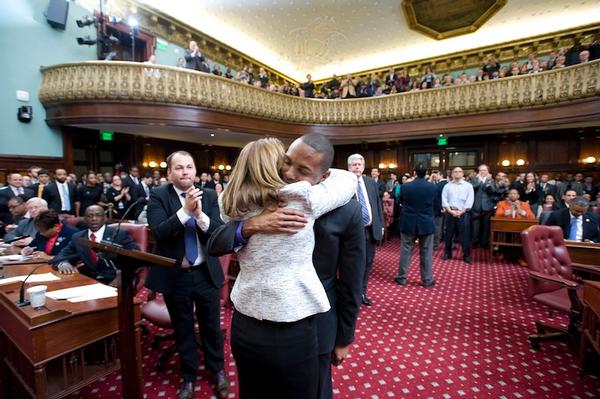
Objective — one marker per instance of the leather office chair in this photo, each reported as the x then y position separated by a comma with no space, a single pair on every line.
155,311
138,233
595,210
77,222
551,282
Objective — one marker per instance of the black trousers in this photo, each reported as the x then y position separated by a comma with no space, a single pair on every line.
370,245
462,224
275,360
195,288
325,390
480,227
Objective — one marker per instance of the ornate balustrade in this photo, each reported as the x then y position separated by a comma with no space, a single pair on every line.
125,82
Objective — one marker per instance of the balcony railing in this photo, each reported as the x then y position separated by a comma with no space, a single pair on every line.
144,83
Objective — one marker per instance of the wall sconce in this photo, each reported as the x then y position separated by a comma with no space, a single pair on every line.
163,164
520,162
227,167
152,164
145,164
506,162
221,167
381,166
392,166
590,160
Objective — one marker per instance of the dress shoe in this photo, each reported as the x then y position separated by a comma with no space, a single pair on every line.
467,259
366,301
428,284
221,384
446,256
400,281
186,390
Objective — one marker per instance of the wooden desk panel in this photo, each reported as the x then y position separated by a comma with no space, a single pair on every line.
507,231
587,253
57,335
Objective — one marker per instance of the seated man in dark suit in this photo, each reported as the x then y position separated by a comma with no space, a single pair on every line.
14,188
577,223
75,252
26,227
51,238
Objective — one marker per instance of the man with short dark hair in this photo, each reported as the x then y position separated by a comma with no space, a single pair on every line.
16,207
67,260
43,178
484,202
375,174
61,194
567,197
417,198
577,222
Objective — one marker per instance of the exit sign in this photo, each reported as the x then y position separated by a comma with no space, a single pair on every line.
442,140
106,136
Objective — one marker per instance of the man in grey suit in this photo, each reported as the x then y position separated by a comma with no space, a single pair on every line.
367,195
417,198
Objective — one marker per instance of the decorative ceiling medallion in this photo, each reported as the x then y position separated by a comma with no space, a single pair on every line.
441,19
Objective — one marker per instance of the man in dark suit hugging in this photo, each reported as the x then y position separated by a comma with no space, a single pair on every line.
577,222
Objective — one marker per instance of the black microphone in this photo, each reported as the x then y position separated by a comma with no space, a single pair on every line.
22,301
112,238
15,239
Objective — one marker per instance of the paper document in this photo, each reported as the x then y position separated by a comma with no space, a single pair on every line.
83,293
34,278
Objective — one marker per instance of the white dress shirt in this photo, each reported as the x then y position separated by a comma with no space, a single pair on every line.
63,191
363,188
203,222
98,234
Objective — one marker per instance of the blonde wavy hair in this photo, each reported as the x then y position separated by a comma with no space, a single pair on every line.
255,178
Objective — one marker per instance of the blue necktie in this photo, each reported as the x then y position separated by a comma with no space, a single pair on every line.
364,213
573,229
190,240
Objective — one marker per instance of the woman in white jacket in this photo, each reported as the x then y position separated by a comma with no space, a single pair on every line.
277,291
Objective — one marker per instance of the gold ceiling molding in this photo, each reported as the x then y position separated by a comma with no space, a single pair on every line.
174,31
136,83
505,52
448,18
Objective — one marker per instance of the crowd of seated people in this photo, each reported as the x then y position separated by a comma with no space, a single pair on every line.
542,196
394,81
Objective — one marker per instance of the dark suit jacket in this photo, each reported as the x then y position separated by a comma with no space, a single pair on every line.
210,184
376,207
76,251
591,224
339,259
380,187
168,233
6,193
484,194
194,62
52,196
417,199
437,201
39,242
549,189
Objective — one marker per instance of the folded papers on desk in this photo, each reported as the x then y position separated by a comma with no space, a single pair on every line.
34,278
83,293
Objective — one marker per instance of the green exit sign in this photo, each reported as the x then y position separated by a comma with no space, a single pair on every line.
442,140
106,136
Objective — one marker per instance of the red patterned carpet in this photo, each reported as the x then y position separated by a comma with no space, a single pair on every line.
465,337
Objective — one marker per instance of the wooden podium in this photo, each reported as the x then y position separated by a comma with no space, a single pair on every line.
128,261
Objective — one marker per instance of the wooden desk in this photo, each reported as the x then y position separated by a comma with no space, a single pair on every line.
507,231
590,332
62,347
587,253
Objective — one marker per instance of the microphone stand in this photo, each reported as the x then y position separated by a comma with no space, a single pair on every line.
22,301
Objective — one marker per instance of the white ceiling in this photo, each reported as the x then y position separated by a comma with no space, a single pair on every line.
323,37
